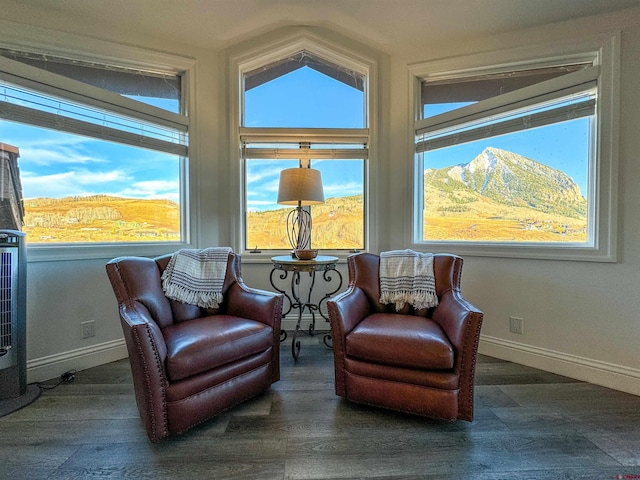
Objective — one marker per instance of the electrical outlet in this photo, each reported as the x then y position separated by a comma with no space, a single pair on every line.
516,325
88,328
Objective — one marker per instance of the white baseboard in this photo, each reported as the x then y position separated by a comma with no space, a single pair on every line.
606,374
289,323
46,368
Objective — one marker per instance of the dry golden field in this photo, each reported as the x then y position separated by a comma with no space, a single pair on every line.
101,218
477,218
337,224
504,229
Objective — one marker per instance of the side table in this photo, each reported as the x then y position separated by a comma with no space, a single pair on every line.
322,263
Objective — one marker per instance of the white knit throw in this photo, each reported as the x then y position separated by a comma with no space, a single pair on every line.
407,276
196,277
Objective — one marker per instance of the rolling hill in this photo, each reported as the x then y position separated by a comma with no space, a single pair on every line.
100,218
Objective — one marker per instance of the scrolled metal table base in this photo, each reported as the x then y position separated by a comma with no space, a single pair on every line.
286,264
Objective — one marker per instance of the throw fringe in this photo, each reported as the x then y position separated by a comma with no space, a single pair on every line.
196,277
407,276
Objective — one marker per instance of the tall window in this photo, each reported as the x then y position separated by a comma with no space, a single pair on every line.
509,156
305,110
102,149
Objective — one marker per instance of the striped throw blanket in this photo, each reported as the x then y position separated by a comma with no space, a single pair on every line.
407,276
196,276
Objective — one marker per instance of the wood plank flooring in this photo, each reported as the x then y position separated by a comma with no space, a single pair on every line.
529,425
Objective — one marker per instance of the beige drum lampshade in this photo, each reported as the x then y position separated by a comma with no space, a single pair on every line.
300,186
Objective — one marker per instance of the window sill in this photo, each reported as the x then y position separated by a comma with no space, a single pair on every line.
59,252
264,256
542,251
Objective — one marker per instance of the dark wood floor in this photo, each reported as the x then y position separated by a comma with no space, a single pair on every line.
529,425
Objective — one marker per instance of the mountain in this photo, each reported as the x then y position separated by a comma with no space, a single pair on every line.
508,180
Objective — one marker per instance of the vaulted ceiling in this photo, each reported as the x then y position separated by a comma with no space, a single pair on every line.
389,25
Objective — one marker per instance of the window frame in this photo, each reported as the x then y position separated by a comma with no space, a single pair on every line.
246,59
604,51
39,42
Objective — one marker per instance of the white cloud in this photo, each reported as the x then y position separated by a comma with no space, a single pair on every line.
342,189
262,205
60,155
67,183
46,147
151,189
257,175
155,186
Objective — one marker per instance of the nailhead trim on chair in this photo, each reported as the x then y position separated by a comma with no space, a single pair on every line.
165,431
165,423
465,405
340,384
466,410
276,340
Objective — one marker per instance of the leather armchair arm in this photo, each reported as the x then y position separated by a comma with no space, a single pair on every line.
259,305
348,308
137,318
147,354
461,321
458,318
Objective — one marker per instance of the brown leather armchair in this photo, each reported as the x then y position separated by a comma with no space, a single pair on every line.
189,363
416,361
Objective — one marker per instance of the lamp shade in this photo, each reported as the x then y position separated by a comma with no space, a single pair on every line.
300,186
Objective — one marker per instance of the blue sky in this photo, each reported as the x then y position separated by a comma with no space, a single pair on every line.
287,102
55,164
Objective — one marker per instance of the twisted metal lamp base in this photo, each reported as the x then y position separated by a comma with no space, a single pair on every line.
299,229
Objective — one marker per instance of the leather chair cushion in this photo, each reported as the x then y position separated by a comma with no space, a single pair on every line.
202,344
401,340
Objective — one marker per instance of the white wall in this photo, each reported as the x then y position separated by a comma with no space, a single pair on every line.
581,318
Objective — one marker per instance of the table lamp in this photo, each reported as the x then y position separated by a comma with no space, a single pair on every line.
300,187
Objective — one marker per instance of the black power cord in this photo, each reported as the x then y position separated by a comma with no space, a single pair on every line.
65,378
68,377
